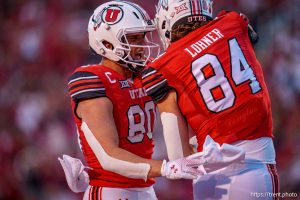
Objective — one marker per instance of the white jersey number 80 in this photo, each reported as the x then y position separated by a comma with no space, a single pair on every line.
137,128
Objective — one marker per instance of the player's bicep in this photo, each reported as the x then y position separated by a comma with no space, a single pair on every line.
155,84
97,113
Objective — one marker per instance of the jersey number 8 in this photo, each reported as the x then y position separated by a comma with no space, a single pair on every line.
240,73
137,122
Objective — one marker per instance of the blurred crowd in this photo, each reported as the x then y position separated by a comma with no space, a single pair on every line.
43,41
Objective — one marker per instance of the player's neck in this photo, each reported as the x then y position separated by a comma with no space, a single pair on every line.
116,67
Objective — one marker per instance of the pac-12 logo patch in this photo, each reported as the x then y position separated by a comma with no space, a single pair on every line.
112,14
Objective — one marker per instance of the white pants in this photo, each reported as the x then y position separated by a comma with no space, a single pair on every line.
248,181
253,179
107,193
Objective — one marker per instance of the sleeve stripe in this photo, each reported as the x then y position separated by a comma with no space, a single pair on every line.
83,78
84,81
85,88
148,74
87,84
153,79
88,90
155,85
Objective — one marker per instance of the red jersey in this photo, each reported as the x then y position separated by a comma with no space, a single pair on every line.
134,115
218,79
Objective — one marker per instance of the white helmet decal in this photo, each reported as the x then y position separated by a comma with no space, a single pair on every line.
97,21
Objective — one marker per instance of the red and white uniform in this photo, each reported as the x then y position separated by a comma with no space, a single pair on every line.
222,93
134,115
219,82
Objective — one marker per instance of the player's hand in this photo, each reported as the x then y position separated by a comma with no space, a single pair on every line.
244,17
187,168
215,157
77,178
253,36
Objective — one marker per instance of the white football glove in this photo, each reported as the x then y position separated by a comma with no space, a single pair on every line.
77,178
216,157
187,168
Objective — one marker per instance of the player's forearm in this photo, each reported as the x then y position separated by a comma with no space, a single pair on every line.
184,135
122,154
175,127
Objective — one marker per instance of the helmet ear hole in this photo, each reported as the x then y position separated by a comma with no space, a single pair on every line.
108,45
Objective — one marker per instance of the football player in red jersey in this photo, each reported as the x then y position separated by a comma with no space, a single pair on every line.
114,116
210,79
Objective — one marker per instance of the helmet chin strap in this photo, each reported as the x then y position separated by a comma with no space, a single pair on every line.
135,68
132,67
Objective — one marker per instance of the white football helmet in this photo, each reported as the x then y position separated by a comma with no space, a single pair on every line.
112,22
168,12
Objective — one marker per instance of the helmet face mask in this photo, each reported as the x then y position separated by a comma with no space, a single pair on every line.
137,48
168,12
112,22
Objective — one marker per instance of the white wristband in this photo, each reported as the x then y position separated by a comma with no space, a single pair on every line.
163,168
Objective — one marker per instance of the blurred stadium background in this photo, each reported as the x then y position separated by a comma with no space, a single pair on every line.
41,43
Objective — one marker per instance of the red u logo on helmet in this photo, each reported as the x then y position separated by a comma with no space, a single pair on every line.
112,15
